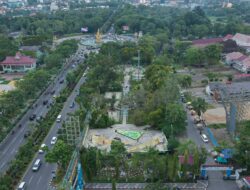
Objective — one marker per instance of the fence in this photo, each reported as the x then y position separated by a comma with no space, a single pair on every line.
212,138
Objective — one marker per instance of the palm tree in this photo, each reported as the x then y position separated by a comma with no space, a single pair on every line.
188,145
200,106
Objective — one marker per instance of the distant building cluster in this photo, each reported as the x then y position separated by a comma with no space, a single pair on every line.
11,6
234,47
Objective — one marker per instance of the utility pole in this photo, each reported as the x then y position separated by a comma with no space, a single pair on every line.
172,135
138,64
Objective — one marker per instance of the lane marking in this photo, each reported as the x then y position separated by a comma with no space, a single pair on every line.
39,180
2,165
30,179
20,141
13,150
22,129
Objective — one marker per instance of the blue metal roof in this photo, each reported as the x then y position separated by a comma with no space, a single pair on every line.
227,152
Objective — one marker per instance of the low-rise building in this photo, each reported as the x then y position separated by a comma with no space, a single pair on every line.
241,64
202,43
18,63
242,40
232,57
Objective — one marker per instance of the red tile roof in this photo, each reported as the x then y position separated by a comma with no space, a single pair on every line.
227,37
242,39
206,42
246,62
18,59
233,56
242,58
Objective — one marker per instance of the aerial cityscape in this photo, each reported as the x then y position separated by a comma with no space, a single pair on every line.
124,95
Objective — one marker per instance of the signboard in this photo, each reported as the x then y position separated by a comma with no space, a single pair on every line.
84,29
125,27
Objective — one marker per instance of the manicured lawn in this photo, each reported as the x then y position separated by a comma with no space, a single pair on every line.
217,126
130,134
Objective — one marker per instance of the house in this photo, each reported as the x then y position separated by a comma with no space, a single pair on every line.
242,64
230,58
246,65
202,43
242,40
238,61
18,63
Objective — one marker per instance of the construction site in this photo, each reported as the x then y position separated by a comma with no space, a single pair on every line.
234,98
135,139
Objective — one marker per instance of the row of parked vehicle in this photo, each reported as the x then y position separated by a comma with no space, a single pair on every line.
197,121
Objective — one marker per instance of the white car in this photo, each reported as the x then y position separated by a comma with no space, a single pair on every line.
41,150
53,140
204,138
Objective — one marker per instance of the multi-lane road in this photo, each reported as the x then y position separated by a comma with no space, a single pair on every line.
10,146
40,179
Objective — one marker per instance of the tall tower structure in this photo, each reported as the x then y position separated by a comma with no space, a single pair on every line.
98,37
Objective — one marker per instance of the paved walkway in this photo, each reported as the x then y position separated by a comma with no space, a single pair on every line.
126,89
200,185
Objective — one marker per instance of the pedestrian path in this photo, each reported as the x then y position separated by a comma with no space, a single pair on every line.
200,185
126,89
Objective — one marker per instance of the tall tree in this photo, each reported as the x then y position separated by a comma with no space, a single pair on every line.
213,54
200,106
195,56
60,153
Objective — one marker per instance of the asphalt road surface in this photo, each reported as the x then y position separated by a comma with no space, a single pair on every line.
10,147
215,178
40,179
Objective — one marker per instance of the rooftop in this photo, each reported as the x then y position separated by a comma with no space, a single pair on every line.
242,39
227,37
206,42
18,59
234,90
234,56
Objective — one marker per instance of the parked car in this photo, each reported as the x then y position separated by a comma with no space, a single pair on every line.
45,102
204,138
193,112
197,119
53,140
52,92
61,81
220,160
72,105
39,118
214,153
41,150
53,174
32,117
22,186
27,134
